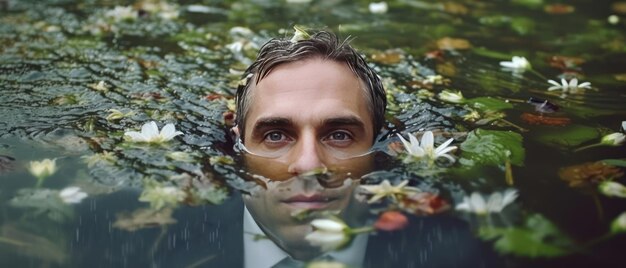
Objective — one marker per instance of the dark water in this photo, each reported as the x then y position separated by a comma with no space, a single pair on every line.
65,64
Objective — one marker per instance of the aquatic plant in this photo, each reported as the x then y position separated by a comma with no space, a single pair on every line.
618,225
495,203
378,7
385,189
150,133
517,63
391,221
332,233
72,195
161,196
42,169
425,149
613,189
568,87
451,96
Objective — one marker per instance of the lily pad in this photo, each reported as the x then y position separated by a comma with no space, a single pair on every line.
537,238
568,137
492,147
489,104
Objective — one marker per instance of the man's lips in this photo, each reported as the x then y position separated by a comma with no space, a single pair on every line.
309,201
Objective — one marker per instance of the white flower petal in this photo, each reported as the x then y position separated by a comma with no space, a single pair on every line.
554,83
136,136
415,145
328,225
585,85
494,203
150,129
443,146
428,141
509,196
477,203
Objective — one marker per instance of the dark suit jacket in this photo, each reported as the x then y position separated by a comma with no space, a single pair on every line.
211,236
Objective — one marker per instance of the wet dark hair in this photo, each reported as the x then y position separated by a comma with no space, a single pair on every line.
321,44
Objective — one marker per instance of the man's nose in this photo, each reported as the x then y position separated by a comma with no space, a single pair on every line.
307,156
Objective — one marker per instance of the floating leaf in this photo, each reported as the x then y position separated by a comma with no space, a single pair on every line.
143,218
488,103
537,238
559,9
448,43
522,25
493,147
589,174
32,245
615,162
545,120
528,3
388,57
569,136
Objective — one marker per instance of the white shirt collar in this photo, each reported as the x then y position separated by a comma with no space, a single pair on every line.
264,253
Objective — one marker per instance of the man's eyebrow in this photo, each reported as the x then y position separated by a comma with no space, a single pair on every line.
271,122
344,121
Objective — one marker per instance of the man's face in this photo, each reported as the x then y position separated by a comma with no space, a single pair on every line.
314,113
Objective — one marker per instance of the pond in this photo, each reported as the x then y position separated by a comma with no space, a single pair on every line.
536,179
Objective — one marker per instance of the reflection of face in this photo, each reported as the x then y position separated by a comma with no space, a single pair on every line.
310,106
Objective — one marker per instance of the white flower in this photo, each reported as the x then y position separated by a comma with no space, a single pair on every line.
517,64
495,203
72,195
613,139
623,125
42,169
120,13
619,224
328,234
150,133
378,8
613,19
451,96
572,86
426,148
385,189
611,188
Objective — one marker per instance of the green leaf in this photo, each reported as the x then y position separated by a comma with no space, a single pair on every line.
537,238
522,25
529,3
615,162
489,104
492,147
567,137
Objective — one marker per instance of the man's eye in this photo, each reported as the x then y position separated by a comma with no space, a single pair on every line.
339,136
275,136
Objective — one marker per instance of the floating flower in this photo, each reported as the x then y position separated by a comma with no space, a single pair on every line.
613,139
42,169
391,221
613,189
451,96
385,189
120,13
426,148
72,195
378,7
329,234
619,224
517,63
571,87
477,204
162,196
150,133
116,114
623,125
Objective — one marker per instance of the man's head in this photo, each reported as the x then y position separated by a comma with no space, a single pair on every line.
309,107
323,45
